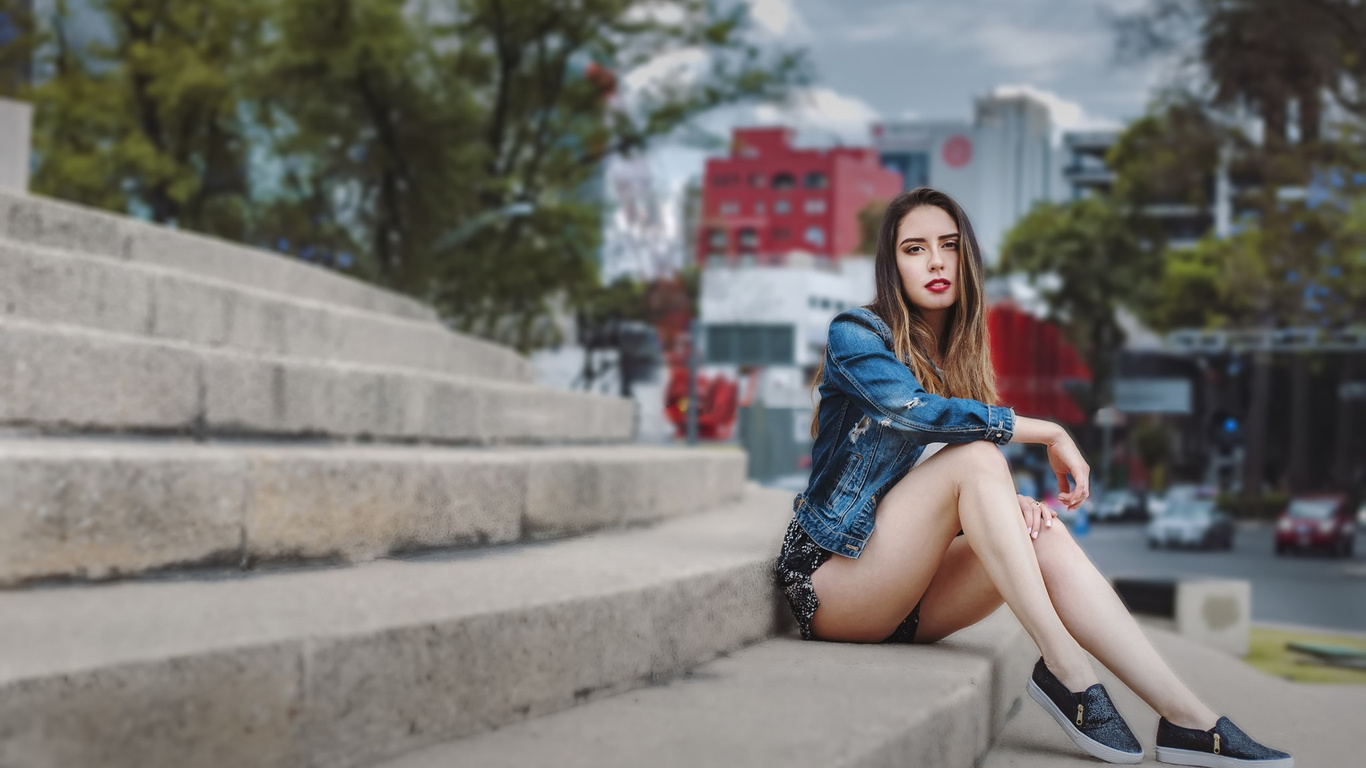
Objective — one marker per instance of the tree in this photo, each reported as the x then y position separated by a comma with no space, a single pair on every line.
1089,260
381,127
869,221
148,119
1268,56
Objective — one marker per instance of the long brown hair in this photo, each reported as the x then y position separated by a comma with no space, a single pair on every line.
964,347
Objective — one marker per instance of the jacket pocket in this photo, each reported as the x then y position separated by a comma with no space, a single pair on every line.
847,487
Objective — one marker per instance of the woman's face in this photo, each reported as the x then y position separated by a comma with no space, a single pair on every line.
927,258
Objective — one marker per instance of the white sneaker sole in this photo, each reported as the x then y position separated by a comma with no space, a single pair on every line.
1089,745
1176,756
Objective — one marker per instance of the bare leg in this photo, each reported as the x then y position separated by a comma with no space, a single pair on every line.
961,594
967,486
1097,618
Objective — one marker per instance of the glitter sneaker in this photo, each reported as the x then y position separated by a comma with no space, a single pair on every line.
1223,746
1089,717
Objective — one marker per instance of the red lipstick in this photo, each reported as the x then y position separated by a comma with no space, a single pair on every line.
938,285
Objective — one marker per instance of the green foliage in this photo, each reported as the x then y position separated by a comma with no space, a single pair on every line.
147,118
383,127
1092,261
1153,441
1168,156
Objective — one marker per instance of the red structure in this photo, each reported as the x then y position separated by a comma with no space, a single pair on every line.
769,198
1033,361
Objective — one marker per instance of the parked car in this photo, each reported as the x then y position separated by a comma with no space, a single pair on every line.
1317,522
1120,504
1157,501
1191,522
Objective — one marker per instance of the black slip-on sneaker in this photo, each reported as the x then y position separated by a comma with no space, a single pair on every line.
1223,746
1089,717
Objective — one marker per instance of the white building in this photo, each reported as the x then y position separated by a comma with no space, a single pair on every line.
765,327
997,166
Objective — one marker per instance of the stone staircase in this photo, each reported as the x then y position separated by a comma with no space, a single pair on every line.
254,513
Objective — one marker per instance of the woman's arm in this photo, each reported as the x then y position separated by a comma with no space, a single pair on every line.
1063,456
859,363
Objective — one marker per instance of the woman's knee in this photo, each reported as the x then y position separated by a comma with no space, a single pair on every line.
979,458
1056,545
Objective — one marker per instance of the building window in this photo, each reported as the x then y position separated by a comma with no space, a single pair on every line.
751,344
815,205
749,240
815,236
760,208
782,206
730,208
716,238
816,180
784,180
813,302
779,233
757,180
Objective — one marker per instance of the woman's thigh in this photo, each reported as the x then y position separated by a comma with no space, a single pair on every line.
864,600
960,595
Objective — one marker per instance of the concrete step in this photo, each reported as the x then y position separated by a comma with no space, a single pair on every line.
94,509
46,285
66,379
781,703
44,221
349,666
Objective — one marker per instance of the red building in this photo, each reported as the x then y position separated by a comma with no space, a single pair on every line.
769,198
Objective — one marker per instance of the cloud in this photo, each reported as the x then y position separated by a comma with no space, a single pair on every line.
779,19
821,114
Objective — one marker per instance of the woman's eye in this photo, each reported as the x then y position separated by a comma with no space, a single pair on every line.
951,244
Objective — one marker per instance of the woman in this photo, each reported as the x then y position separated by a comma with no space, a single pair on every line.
912,370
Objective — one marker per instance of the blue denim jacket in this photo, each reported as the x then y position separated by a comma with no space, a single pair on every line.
875,420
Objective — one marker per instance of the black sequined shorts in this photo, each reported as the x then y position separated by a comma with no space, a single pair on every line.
799,558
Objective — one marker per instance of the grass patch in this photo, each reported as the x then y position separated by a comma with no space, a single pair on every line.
1269,654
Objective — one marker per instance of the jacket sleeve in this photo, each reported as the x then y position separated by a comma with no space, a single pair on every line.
861,366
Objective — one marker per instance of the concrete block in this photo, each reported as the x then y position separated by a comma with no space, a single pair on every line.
359,505
43,221
94,509
66,379
16,131
391,655
1213,612
235,708
782,702
44,285
91,513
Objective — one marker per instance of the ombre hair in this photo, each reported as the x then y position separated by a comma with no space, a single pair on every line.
964,347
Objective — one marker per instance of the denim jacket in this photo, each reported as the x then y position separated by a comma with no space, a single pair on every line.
875,420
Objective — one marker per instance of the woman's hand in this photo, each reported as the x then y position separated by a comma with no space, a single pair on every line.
1065,459
1036,514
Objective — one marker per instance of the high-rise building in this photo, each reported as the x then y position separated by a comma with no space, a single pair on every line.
769,198
997,166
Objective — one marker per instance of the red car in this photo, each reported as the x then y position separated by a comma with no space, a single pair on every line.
1317,522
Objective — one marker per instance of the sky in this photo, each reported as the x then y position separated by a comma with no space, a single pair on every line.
929,59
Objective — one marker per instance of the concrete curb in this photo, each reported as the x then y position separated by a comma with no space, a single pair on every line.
783,702
44,285
64,379
44,221
346,667
94,509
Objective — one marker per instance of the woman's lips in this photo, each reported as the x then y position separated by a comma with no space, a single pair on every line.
938,286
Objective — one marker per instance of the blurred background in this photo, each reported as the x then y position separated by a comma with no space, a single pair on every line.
669,201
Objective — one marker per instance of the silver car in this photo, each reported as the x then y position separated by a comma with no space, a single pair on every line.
1191,523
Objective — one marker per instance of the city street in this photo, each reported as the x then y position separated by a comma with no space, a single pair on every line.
1309,590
